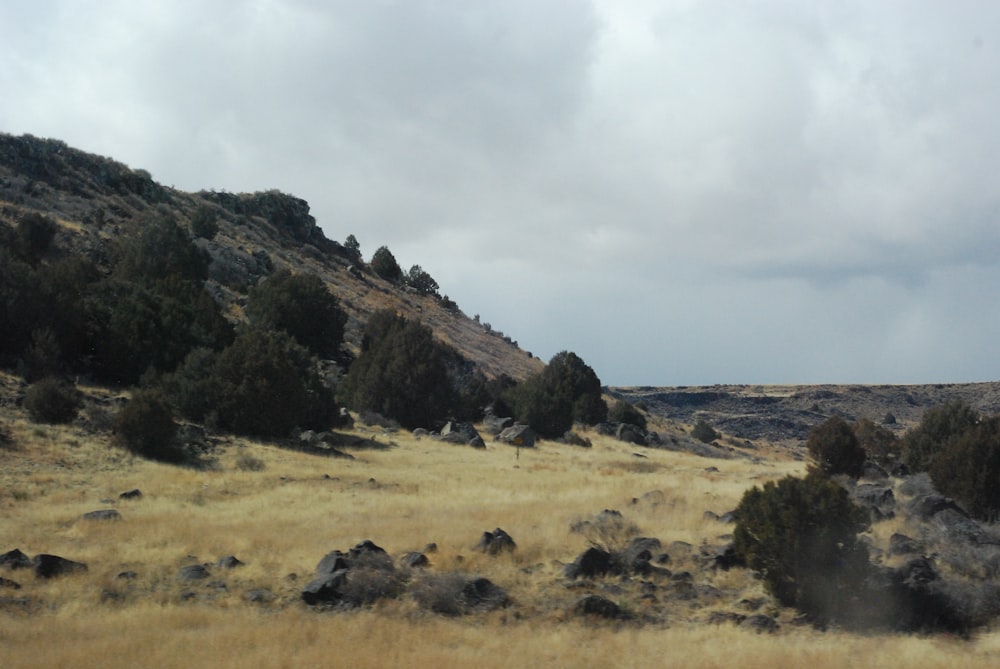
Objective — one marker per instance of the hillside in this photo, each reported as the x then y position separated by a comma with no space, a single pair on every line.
97,201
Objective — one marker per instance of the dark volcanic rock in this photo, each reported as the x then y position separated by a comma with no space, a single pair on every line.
135,493
590,563
194,572
595,605
333,561
50,566
518,435
414,560
900,544
102,514
229,562
496,542
7,583
481,594
326,589
760,623
15,559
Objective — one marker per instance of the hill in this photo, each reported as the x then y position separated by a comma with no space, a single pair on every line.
96,201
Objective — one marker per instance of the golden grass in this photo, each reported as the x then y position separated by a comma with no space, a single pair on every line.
280,521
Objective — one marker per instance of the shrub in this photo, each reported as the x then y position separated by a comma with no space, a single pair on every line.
880,444
34,235
384,265
968,469
623,412
248,463
146,427
703,432
204,222
401,373
937,426
267,385
302,306
421,281
834,448
161,250
800,536
52,401
566,390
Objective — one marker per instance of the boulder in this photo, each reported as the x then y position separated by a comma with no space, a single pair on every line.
15,559
459,433
590,563
193,572
333,561
229,562
878,498
326,589
414,560
9,584
364,550
760,623
495,425
631,434
135,493
50,566
720,557
927,506
481,594
900,544
102,515
600,607
518,435
573,439
496,542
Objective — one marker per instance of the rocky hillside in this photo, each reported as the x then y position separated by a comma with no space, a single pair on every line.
786,414
96,201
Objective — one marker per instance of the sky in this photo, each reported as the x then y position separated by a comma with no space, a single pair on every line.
681,192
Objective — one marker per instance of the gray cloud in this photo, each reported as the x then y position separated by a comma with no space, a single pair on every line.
680,192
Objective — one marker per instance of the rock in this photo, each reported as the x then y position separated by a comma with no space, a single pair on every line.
496,542
9,584
518,435
720,557
481,594
127,576
495,425
259,596
459,433
918,570
725,617
900,544
228,562
414,560
420,432
135,493
15,559
871,471
50,566
959,527
102,515
889,419
194,572
595,605
632,434
590,563
878,498
573,439
366,548
927,506
332,562
477,442
760,623
325,589
639,554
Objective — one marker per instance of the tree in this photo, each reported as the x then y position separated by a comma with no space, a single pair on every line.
835,449
302,306
421,281
880,444
623,412
160,251
566,390
968,469
401,373
801,537
146,427
937,427
353,246
384,265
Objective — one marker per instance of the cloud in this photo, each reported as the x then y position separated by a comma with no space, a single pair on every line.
681,192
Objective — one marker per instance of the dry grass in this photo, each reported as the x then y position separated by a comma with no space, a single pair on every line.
282,519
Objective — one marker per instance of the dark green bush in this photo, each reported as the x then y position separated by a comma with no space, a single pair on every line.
968,469
161,250
52,401
302,306
567,390
34,235
623,412
880,444
704,432
937,427
204,222
267,385
421,281
801,537
401,373
834,448
146,427
384,265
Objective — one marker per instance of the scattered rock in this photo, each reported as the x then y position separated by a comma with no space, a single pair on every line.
194,572
496,542
518,435
590,563
574,439
631,434
495,425
460,433
15,559
50,566
259,596
414,560
927,506
102,515
760,623
900,544
481,594
9,584
229,562
600,607
135,493
127,576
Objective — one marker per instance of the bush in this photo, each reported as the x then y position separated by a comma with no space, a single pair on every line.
421,281
566,390
834,448
968,469
384,265
401,373
204,222
52,401
623,412
879,443
302,306
703,432
146,427
937,427
800,536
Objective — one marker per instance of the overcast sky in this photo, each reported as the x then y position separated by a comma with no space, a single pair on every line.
680,192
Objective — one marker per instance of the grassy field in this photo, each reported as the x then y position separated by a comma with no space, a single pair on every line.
402,493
